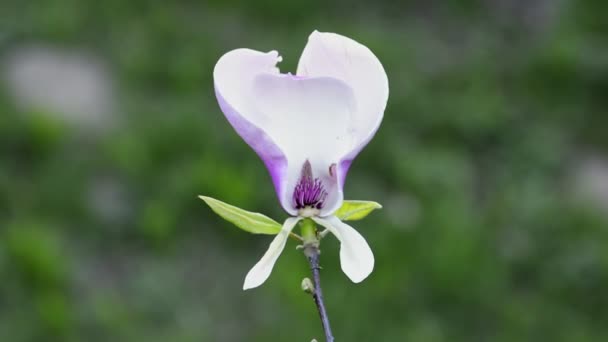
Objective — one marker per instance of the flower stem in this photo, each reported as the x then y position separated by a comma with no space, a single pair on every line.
311,251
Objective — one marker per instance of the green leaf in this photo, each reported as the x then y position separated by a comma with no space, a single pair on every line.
356,210
248,221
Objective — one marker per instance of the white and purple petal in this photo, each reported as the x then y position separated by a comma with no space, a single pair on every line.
233,78
333,55
322,117
309,118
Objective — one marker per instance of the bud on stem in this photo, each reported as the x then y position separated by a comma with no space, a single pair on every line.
307,286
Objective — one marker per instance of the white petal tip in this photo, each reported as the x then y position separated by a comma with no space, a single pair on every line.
356,257
261,271
257,276
318,35
359,276
359,268
275,55
248,285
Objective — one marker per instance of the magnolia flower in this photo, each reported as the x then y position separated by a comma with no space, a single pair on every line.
307,128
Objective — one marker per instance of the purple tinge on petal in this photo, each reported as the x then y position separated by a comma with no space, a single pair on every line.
343,170
260,142
297,77
309,118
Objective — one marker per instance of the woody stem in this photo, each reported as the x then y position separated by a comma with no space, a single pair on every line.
311,251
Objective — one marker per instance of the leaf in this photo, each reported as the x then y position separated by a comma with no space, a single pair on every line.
356,210
248,221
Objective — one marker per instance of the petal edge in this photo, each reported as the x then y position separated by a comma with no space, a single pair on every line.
333,55
262,269
356,257
233,78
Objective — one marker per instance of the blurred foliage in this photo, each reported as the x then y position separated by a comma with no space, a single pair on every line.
492,104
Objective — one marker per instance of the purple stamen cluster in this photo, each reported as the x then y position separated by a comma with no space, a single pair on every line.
309,192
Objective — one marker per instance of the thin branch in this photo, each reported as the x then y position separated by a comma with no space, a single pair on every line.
312,254
295,236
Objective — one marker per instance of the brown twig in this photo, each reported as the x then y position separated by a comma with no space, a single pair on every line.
312,254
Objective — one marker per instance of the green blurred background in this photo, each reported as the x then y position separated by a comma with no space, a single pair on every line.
491,164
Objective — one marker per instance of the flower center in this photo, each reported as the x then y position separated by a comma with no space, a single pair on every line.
309,194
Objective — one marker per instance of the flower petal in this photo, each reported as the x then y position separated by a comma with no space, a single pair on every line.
356,257
333,55
261,271
233,79
309,119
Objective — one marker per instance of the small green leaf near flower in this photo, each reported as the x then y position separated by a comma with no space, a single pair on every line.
356,210
248,221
